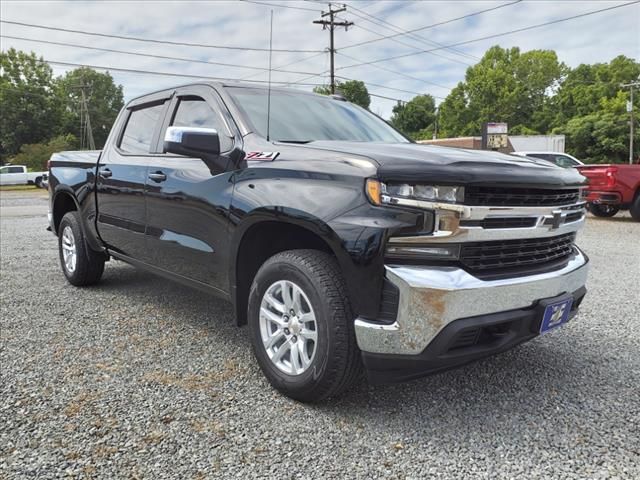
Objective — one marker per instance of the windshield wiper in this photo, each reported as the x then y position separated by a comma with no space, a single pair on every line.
294,141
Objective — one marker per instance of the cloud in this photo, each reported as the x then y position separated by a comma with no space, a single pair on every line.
597,38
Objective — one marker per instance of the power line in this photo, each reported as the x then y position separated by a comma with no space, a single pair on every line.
151,40
466,42
386,98
392,88
267,4
150,55
394,28
395,72
278,68
380,67
438,24
166,74
400,42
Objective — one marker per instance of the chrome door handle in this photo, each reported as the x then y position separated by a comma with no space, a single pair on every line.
105,173
158,177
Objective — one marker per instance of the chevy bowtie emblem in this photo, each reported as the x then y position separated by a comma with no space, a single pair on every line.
558,219
556,316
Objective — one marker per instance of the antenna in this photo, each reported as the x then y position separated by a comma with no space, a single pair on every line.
269,93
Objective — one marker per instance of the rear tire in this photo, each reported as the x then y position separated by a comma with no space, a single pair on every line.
603,210
635,208
81,265
38,182
329,360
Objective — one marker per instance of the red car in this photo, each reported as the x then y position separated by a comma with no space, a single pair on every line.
613,188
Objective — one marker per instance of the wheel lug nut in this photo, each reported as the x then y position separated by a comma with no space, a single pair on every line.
292,312
286,331
294,339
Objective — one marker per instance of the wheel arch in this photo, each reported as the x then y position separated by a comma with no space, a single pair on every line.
265,233
64,201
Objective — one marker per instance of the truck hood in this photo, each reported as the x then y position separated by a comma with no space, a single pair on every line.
410,162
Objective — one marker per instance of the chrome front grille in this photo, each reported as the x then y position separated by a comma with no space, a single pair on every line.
503,231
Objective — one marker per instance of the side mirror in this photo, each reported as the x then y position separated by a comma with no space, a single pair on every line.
192,141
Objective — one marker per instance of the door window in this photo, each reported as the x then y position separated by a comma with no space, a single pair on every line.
195,112
15,170
564,161
138,133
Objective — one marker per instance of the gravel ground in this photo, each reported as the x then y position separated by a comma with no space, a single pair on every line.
139,377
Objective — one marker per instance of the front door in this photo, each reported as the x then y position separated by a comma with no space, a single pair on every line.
188,201
122,176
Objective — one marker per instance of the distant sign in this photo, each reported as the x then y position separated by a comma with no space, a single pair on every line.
495,136
629,106
497,128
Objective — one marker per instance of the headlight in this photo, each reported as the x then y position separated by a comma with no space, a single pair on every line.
384,193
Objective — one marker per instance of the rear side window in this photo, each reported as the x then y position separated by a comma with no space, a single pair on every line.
542,156
15,170
564,161
196,112
138,133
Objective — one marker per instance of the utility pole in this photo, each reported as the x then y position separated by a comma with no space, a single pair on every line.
630,86
435,124
86,132
332,24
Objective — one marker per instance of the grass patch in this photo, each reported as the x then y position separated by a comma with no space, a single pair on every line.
17,188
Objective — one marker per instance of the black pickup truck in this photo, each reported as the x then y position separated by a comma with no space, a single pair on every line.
340,243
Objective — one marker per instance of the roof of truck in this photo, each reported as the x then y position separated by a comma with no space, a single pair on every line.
217,84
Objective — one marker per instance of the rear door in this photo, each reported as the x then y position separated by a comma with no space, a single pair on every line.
122,176
187,201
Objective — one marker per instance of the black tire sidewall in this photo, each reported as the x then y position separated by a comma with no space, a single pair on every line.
312,377
635,208
598,211
79,275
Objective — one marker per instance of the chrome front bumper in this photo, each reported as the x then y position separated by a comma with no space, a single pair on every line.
433,297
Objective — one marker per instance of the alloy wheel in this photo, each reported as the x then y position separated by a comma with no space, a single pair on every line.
288,327
69,252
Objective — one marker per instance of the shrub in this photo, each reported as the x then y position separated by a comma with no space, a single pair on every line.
36,155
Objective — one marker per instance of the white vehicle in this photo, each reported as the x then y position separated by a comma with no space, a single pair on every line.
563,160
18,175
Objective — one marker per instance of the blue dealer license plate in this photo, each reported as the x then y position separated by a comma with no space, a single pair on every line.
555,315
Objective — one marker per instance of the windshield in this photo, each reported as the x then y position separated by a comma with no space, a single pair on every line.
300,117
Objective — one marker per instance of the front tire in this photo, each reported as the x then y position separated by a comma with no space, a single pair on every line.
604,211
301,326
634,210
81,265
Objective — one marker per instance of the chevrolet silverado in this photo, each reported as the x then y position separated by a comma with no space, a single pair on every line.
342,244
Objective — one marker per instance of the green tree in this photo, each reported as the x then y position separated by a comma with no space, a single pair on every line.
416,117
585,86
505,86
104,100
601,136
591,110
30,110
354,91
36,155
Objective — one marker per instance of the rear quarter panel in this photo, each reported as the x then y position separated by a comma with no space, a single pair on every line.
74,173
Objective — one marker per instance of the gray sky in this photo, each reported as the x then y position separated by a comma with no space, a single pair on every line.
595,38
